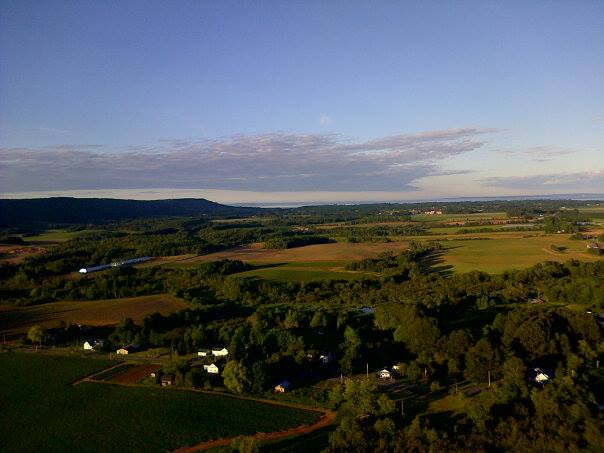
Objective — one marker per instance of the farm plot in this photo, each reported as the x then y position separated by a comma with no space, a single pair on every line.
15,320
42,412
341,251
135,374
497,255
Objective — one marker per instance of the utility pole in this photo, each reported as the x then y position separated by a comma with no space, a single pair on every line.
367,370
341,378
489,378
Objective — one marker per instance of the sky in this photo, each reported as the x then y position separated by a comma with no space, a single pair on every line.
301,101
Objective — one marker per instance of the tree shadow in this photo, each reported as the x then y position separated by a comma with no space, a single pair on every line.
434,263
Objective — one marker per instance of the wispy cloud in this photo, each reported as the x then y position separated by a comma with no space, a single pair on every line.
275,161
540,153
585,181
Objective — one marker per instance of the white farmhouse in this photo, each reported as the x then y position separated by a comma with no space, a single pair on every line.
90,345
220,352
212,369
540,376
128,349
385,374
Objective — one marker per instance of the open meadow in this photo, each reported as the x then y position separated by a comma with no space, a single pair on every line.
493,252
42,411
16,320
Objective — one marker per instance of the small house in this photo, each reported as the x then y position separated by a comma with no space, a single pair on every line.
90,345
385,374
167,379
220,352
212,368
128,349
282,387
203,353
540,376
326,358
593,246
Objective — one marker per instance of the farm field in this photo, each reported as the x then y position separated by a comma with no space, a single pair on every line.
56,236
105,417
459,217
301,274
341,251
15,320
497,255
489,252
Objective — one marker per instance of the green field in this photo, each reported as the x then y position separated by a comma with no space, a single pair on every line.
42,412
458,217
496,255
300,274
57,235
15,319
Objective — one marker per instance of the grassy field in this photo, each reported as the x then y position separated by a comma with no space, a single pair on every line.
255,254
14,320
57,236
300,274
42,412
459,217
499,254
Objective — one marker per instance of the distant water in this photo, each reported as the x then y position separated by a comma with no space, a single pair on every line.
575,196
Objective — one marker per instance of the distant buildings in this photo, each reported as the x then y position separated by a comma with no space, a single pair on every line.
88,270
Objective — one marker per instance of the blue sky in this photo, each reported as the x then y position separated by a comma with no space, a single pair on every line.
275,101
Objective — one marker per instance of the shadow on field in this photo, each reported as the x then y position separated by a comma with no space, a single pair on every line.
434,264
315,441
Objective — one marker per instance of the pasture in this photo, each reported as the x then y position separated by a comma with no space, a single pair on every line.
57,235
496,255
42,412
478,216
492,252
340,251
16,320
301,273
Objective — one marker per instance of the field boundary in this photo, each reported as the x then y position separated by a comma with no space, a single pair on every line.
326,417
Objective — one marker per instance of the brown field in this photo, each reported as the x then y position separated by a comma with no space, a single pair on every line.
135,374
16,320
15,253
319,252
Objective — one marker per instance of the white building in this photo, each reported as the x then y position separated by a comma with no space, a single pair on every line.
540,376
212,369
93,344
128,349
326,358
203,352
385,374
220,352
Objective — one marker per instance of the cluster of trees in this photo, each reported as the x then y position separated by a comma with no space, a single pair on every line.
512,411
